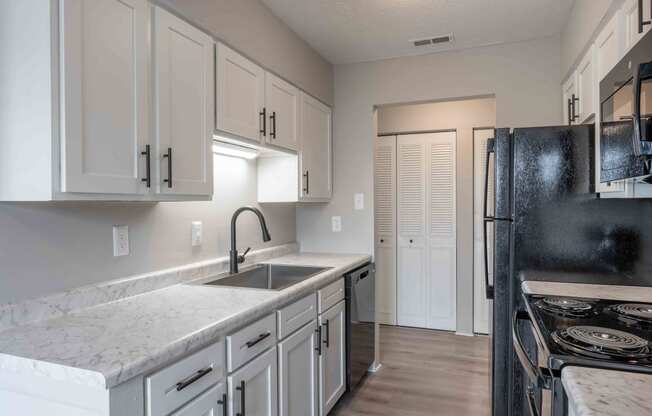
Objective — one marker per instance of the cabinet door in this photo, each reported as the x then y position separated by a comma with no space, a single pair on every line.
631,17
184,106
211,403
282,104
332,365
104,95
609,46
315,157
587,90
297,366
240,95
253,390
569,93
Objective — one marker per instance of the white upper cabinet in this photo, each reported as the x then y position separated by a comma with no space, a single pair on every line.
587,90
282,108
569,99
609,46
240,95
184,73
637,16
104,95
315,158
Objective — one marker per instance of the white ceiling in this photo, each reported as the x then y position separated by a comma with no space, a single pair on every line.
345,31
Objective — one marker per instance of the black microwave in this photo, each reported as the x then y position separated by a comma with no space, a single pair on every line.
626,115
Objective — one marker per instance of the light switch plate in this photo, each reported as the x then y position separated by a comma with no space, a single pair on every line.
120,240
336,223
358,201
196,233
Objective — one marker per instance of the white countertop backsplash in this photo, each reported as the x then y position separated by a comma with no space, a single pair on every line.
593,392
109,343
59,304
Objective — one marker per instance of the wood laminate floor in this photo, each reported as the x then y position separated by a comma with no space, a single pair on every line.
424,373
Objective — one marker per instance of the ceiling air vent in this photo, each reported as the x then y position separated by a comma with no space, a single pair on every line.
437,40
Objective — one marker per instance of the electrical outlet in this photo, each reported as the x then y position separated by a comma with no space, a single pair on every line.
120,240
196,233
336,223
358,201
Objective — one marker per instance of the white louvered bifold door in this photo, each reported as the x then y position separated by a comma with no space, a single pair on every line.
427,230
385,228
442,227
480,302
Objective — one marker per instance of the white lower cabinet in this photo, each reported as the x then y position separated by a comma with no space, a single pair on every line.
332,362
253,389
211,403
297,364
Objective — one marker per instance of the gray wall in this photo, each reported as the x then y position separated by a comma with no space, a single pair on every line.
51,247
580,27
251,28
524,78
462,115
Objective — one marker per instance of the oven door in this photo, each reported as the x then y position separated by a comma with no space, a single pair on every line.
544,393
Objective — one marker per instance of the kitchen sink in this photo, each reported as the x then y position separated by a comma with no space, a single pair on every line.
267,276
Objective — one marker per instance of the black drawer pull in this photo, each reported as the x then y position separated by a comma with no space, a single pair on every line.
318,347
199,374
257,340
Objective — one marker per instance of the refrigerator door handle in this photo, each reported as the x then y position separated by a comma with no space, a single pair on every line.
489,289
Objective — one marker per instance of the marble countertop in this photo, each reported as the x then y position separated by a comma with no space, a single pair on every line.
582,290
593,392
105,345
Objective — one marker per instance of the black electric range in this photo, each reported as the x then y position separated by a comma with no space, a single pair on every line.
582,332
592,332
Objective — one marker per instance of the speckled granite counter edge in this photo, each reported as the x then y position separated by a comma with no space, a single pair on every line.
582,290
597,392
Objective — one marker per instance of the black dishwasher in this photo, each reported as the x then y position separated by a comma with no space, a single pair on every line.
360,323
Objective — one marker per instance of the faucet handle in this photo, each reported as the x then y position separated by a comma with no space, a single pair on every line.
241,257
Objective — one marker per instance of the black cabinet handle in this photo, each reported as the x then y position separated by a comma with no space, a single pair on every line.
263,115
199,374
148,166
569,111
382,240
241,388
306,189
327,339
272,121
574,100
168,155
318,347
642,22
257,340
224,405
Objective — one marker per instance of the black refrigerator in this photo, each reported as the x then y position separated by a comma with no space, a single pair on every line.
547,223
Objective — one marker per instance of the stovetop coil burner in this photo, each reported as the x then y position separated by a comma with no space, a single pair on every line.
602,342
638,312
569,307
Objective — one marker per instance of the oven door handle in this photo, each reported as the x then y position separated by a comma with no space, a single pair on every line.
532,370
532,402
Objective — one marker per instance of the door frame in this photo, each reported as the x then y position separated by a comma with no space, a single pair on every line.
478,250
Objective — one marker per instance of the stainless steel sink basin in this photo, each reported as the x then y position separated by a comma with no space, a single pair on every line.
267,276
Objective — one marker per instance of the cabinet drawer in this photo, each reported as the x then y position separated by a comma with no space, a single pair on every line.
178,383
296,315
250,341
330,295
